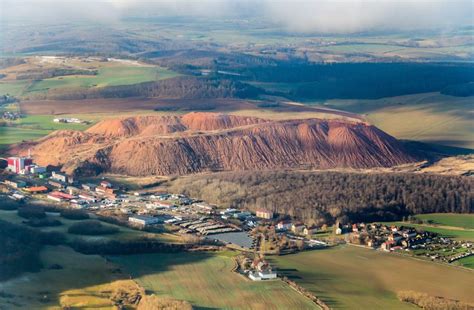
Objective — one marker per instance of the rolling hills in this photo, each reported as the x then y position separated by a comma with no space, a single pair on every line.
198,142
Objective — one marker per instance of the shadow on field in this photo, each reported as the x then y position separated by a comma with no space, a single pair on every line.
78,274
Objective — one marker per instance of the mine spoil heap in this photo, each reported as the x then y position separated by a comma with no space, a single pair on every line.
198,141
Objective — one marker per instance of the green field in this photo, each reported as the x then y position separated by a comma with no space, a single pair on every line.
467,262
79,277
31,127
454,220
348,277
14,88
429,117
11,135
109,74
206,281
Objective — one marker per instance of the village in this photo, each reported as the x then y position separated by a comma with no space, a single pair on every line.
255,234
405,239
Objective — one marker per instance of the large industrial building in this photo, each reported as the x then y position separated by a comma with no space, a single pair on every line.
18,164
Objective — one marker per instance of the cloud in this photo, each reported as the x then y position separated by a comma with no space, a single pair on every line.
317,16
333,16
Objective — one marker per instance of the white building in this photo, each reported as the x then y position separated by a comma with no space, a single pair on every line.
143,220
262,275
59,177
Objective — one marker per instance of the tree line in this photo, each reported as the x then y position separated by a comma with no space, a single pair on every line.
325,197
179,87
364,80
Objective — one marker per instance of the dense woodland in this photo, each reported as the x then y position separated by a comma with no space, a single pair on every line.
362,80
324,197
459,90
51,73
179,87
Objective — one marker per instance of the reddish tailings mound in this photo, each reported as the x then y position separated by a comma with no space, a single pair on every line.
196,142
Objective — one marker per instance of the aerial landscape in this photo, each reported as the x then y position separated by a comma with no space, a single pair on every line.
235,154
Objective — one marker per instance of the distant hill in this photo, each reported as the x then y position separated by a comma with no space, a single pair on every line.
197,142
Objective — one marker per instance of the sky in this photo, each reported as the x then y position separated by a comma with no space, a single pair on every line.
305,16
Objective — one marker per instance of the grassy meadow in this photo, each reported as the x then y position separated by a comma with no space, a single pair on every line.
449,219
109,73
348,277
108,76
206,281
12,135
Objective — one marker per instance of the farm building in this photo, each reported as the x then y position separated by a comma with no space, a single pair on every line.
36,189
15,184
56,184
143,220
88,198
59,196
204,207
35,169
59,177
264,214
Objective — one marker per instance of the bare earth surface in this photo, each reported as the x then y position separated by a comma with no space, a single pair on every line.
198,142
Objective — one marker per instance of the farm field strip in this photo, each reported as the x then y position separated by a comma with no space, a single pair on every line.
349,277
206,281
463,221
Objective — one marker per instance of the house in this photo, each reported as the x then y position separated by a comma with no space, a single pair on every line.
15,184
297,228
394,237
59,176
262,271
88,198
72,190
204,207
387,245
283,225
106,184
264,214
308,231
105,190
143,220
408,234
36,189
89,186
56,184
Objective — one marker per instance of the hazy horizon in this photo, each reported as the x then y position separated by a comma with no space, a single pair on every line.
300,16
